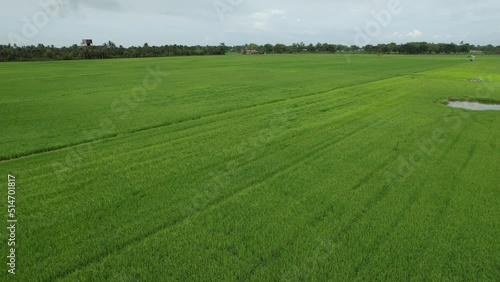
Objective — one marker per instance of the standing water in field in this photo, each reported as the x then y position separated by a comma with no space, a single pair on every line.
474,106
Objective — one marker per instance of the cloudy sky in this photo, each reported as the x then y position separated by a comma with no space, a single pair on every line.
210,22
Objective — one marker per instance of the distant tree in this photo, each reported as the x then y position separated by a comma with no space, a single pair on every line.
355,48
311,48
49,54
381,49
75,52
489,49
332,48
223,49
252,46
319,47
369,48
280,48
392,47
111,44
423,48
450,48
464,48
342,48
267,48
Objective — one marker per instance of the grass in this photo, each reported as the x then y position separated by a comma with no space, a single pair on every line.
253,168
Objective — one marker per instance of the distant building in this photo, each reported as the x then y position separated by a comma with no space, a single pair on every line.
87,42
252,52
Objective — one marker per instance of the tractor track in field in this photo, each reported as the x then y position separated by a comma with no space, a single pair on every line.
180,138
318,149
323,214
316,219
470,155
370,175
227,159
384,236
145,129
183,137
311,154
371,203
453,143
438,218
414,197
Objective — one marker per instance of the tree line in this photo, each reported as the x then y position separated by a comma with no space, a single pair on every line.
407,48
108,50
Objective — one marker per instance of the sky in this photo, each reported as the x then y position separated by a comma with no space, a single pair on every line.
237,22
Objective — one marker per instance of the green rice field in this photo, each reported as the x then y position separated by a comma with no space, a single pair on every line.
252,168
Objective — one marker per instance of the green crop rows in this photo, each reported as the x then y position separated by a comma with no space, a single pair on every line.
252,168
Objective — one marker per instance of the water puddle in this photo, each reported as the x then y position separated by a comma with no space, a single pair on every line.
475,106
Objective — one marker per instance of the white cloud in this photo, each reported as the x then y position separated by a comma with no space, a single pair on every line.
268,14
415,33
412,34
